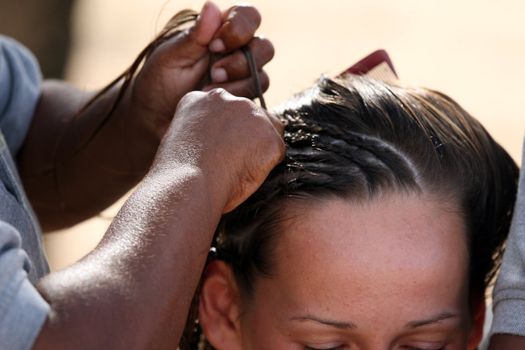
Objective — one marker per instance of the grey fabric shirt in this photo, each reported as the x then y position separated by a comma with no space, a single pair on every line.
509,292
22,262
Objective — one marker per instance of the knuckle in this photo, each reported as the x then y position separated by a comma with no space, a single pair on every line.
238,33
249,13
269,49
190,98
245,104
236,65
249,89
217,93
242,22
265,80
263,49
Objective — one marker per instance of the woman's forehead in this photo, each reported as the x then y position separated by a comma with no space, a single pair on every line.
383,246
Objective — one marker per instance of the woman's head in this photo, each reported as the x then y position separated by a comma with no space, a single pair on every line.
382,227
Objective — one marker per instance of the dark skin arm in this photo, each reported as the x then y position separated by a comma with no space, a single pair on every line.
506,342
69,180
134,290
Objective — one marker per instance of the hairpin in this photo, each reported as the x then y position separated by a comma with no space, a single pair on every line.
255,75
438,146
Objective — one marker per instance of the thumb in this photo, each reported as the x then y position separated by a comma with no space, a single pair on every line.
191,46
207,24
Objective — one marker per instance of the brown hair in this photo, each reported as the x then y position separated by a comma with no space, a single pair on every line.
357,138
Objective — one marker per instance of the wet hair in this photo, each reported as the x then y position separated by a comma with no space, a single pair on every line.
357,139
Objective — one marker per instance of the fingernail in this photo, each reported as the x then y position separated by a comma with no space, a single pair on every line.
219,75
217,45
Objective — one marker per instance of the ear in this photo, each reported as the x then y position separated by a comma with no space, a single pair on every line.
219,307
478,320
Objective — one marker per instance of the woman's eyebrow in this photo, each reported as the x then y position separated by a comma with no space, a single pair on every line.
332,323
349,325
434,319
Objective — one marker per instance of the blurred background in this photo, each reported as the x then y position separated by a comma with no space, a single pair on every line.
473,51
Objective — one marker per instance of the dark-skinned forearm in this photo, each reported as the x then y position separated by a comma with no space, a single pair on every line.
70,176
134,290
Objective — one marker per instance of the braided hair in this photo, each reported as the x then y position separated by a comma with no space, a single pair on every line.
357,138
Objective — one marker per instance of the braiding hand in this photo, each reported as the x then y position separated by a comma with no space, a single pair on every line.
182,63
229,140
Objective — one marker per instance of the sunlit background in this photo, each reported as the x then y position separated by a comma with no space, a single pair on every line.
473,51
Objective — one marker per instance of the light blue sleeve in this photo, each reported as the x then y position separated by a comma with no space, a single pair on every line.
23,311
20,81
509,292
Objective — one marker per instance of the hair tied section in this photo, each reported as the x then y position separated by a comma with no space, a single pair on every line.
438,146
